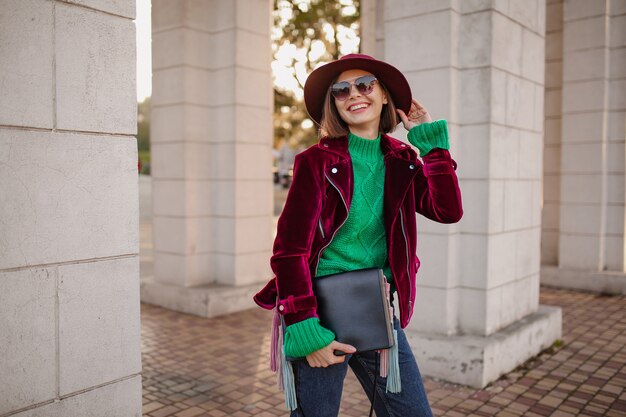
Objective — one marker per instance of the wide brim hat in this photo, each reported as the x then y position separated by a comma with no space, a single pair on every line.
318,82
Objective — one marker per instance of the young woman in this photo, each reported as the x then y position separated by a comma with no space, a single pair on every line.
352,206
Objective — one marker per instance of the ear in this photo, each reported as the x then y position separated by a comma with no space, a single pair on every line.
385,101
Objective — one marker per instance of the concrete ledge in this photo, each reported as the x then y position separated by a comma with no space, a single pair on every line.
204,301
600,281
477,361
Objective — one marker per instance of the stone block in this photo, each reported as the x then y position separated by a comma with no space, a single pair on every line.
242,269
581,9
168,161
506,38
99,331
400,9
554,74
582,158
26,28
183,46
476,43
552,188
501,265
250,119
54,179
479,311
435,29
252,88
482,204
499,96
185,235
533,56
436,254
617,8
474,95
617,94
539,109
552,159
527,259
254,162
572,184
531,150
606,282
28,342
184,270
584,34
614,253
474,360
473,153
189,85
121,8
254,16
580,252
549,247
242,235
554,17
528,14
581,219
473,256
435,311
167,15
618,31
552,131
504,152
553,102
617,58
120,398
554,46
615,188
551,216
616,129
586,96
434,89
615,157
518,204
253,50
588,64
582,127
520,103
95,71
189,122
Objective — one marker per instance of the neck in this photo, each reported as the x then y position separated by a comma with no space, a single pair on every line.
365,132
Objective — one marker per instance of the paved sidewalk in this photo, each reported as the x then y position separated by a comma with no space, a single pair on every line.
218,367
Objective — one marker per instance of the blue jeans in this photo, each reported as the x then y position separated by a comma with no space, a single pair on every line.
318,390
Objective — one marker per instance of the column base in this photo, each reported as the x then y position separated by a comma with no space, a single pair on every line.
605,282
204,301
476,361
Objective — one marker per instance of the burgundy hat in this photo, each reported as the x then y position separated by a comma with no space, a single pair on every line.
318,82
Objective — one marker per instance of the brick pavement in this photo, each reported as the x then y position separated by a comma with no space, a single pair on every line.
195,367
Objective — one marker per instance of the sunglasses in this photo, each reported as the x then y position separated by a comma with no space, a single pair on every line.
364,85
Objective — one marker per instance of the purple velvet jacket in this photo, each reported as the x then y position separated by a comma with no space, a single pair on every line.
317,206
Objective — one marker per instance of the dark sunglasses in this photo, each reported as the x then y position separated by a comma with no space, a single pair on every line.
364,85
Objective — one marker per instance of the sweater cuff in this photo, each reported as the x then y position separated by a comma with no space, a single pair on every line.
305,337
428,136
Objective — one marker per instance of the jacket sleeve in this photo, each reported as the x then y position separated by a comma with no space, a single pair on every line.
436,186
292,246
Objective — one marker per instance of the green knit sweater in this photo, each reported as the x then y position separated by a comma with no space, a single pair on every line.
360,242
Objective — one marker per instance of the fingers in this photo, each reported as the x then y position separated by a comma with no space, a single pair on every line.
342,347
403,116
326,357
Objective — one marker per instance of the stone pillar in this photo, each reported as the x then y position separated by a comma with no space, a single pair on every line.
592,210
373,28
211,154
480,65
69,265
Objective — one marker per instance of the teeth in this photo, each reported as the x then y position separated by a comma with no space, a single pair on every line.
358,106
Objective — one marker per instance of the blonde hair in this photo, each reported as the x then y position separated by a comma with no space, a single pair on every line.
332,125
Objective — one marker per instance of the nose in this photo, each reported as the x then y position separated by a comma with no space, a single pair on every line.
354,92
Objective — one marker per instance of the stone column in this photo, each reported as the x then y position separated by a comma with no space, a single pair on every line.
69,265
592,210
211,154
480,65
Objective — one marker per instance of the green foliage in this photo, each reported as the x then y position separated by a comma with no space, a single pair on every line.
143,125
320,31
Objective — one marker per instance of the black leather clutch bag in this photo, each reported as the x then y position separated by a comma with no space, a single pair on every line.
355,307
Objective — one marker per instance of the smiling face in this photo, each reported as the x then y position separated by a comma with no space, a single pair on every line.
360,111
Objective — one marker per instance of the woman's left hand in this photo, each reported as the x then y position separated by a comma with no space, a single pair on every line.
417,115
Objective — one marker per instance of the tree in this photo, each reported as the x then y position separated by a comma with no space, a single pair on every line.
306,33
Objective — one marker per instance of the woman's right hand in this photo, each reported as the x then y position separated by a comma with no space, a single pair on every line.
325,356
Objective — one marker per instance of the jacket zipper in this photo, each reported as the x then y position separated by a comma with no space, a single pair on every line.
319,254
406,244
319,223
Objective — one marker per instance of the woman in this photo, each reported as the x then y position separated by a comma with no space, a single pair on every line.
352,206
